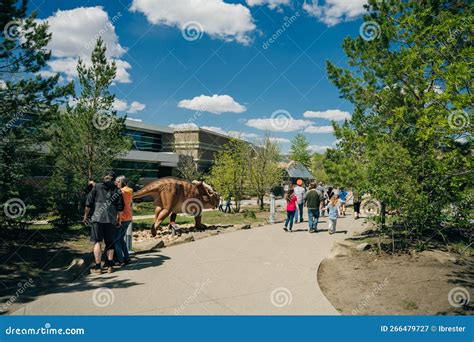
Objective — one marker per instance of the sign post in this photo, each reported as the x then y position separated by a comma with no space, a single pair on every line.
271,219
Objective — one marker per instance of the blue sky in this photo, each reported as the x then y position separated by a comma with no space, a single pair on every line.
248,66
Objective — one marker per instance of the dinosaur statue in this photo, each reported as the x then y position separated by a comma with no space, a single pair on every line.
172,195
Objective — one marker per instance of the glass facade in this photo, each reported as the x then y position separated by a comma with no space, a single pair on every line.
145,141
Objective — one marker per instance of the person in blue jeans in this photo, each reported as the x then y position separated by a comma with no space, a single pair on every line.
291,200
313,199
299,193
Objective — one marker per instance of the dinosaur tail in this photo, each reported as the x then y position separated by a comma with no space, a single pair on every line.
141,193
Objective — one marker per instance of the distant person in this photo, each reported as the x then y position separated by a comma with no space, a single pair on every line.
291,202
357,199
121,249
221,204
313,200
321,191
106,202
327,196
343,197
333,210
299,193
227,208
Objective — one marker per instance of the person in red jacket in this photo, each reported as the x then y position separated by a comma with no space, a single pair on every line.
290,209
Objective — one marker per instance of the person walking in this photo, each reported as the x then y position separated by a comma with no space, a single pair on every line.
121,249
313,200
343,196
321,191
291,202
357,199
333,210
106,202
227,208
327,196
299,193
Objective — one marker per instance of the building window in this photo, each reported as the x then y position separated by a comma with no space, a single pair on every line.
145,141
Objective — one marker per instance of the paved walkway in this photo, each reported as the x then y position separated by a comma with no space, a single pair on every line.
258,271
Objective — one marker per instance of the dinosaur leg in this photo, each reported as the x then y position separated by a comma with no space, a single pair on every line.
154,226
161,217
174,227
198,224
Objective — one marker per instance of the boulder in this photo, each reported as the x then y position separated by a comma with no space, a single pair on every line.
339,251
441,257
363,246
149,245
180,240
243,226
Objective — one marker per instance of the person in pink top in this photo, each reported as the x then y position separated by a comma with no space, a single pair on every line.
291,201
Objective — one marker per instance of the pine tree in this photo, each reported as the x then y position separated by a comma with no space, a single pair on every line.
88,136
28,103
299,150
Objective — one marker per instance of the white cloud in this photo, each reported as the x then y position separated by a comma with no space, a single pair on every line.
229,22
330,114
280,140
74,33
242,135
123,106
270,3
136,106
319,148
278,125
319,129
184,126
332,12
216,104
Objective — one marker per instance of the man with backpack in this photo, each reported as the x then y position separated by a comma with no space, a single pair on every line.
104,206
313,199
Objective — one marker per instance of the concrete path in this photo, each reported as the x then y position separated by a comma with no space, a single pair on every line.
258,271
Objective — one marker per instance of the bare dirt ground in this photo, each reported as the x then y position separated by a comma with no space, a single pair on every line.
364,283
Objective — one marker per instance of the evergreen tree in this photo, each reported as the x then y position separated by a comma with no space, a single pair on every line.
409,140
28,103
88,136
299,150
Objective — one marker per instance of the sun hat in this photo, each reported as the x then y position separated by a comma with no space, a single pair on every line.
299,182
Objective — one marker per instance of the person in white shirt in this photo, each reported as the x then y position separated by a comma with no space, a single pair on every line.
299,193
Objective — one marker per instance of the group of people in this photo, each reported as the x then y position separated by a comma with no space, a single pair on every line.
318,201
108,212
